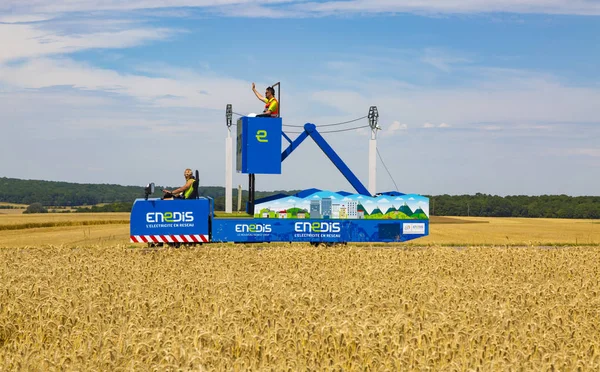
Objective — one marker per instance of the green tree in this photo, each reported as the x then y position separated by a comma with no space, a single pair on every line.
36,208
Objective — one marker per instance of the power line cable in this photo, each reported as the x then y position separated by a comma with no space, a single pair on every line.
332,131
328,125
386,168
343,130
323,125
317,125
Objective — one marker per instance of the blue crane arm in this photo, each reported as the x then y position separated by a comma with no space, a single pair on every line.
311,130
293,144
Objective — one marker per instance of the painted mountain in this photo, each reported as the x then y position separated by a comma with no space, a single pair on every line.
419,215
332,205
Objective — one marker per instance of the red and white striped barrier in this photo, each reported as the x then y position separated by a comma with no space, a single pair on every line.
168,238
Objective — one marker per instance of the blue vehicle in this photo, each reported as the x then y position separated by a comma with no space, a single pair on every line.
315,216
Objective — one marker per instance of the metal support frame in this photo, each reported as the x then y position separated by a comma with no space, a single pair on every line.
251,192
228,160
373,118
278,84
311,130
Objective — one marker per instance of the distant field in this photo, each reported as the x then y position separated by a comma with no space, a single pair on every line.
476,231
60,218
63,229
20,208
14,208
92,228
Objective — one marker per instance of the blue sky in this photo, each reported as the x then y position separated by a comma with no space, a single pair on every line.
497,97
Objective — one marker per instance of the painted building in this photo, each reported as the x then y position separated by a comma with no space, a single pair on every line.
326,207
352,209
343,212
315,209
335,211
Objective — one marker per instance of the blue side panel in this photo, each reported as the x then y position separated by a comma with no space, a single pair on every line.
259,145
312,230
171,217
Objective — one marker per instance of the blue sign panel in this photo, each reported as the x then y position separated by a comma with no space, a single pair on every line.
311,230
259,145
170,217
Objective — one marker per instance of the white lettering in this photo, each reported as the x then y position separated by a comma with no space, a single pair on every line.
317,227
253,228
157,217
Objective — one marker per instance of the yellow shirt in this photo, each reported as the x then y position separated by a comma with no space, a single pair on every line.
271,105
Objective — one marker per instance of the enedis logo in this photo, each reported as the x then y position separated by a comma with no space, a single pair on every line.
317,227
253,228
261,135
169,217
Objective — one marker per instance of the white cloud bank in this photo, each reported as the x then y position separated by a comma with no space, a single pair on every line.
293,8
27,41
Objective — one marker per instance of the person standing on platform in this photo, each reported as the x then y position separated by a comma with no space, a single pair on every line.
271,105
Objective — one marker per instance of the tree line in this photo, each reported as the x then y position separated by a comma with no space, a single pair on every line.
119,198
544,206
85,197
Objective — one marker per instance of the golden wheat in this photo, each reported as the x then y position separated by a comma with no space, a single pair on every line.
291,307
60,217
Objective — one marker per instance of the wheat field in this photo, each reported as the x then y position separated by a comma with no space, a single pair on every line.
80,297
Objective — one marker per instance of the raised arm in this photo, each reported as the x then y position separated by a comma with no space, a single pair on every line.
258,95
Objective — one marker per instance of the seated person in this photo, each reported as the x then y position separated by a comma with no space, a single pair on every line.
185,191
271,105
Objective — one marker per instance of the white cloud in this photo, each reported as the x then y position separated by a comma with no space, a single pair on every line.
491,128
493,96
396,126
294,8
26,41
23,18
174,88
455,6
442,60
593,152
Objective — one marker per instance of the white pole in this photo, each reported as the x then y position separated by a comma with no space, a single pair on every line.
373,162
228,172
